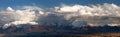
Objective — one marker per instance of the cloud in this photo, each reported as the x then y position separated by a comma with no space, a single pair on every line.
26,15
105,9
9,9
76,15
89,13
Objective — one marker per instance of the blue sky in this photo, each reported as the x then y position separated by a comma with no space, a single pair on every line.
52,3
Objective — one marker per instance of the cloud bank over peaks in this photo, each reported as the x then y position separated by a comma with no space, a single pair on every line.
86,13
75,15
